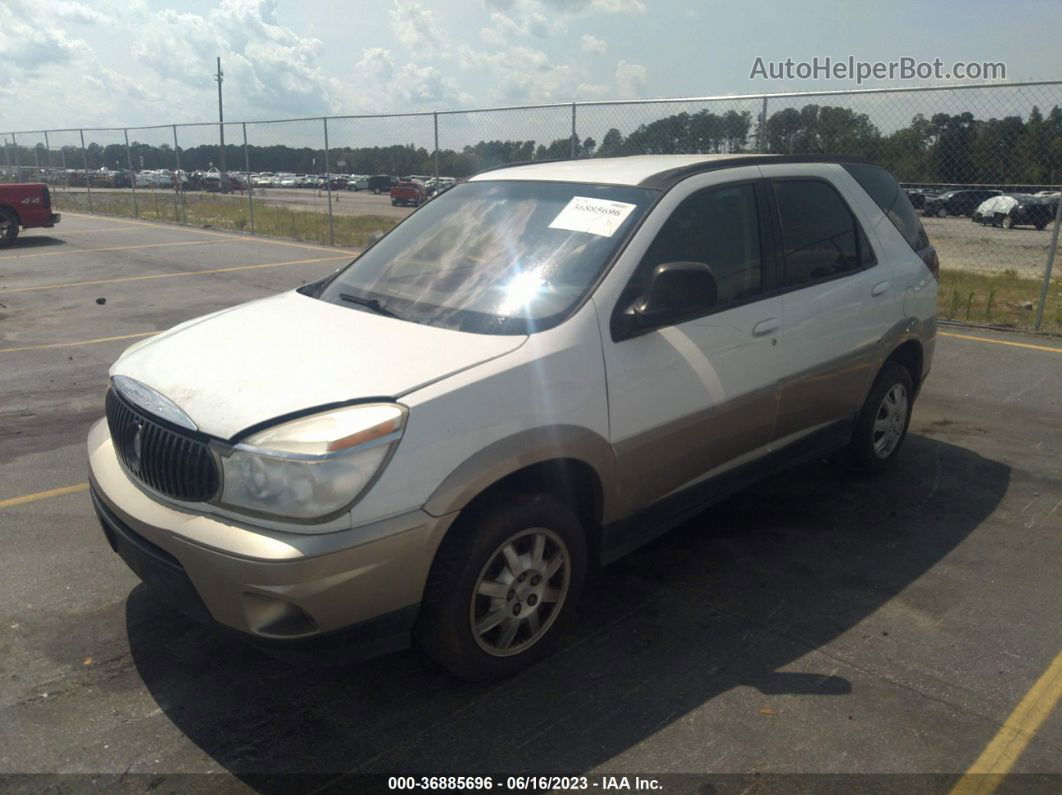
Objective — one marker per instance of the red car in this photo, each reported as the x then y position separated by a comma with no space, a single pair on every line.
408,191
27,205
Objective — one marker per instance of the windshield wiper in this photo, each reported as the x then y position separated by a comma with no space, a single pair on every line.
369,303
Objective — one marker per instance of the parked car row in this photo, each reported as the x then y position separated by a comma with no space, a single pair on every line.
941,203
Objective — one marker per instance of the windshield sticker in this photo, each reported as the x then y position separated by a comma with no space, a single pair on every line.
596,216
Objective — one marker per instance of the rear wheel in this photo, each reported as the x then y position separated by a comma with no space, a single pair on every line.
503,586
8,228
1007,222
881,427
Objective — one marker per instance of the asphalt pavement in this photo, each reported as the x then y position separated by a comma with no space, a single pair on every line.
817,624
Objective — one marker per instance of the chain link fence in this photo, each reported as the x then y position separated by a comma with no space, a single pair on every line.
953,148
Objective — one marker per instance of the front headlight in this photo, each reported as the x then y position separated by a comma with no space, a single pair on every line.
314,466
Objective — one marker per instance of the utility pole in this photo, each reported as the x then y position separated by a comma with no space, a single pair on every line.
220,77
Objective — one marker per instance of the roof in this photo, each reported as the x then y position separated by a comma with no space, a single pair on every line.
650,171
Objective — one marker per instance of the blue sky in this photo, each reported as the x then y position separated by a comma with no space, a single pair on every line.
150,61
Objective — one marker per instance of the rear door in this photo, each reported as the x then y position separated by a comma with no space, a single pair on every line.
838,298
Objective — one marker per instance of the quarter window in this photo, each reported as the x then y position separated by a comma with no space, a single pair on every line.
720,228
820,236
888,195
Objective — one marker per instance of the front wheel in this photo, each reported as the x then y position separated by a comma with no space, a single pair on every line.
882,424
503,586
1007,222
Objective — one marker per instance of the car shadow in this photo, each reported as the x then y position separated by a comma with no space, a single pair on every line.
34,241
726,600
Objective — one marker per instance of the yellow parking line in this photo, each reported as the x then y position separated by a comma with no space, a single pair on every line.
82,250
986,774
147,277
75,343
11,502
270,240
1001,342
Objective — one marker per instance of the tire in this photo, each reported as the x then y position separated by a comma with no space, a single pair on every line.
1006,222
942,213
491,549
881,427
8,228
1040,227
394,203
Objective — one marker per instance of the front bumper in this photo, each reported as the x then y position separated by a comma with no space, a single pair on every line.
274,588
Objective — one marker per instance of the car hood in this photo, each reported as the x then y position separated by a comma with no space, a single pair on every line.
287,353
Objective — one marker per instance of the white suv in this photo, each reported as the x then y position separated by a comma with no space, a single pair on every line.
541,369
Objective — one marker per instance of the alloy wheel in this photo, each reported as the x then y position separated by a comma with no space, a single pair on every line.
890,421
520,592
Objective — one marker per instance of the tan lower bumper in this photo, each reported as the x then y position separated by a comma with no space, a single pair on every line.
270,584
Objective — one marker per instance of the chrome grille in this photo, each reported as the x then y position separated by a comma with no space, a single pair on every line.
170,461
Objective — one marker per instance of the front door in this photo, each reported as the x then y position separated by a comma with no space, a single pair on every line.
697,394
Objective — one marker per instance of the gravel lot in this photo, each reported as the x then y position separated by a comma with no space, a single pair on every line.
818,624
962,244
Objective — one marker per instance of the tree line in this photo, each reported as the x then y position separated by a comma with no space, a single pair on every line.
942,148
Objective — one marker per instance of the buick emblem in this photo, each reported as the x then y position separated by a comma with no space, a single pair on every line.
133,444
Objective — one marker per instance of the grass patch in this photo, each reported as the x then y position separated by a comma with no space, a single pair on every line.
1002,299
229,212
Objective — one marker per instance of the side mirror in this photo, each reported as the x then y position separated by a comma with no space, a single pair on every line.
676,290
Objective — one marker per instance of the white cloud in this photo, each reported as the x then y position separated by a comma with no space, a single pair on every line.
124,62
29,43
377,63
415,27
79,12
276,69
425,85
545,18
592,44
631,79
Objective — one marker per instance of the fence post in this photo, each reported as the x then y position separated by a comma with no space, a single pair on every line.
132,174
7,161
48,149
436,117
18,159
1050,264
179,183
761,130
328,183
247,168
36,163
575,138
88,180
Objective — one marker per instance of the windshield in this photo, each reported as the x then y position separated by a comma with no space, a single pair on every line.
493,257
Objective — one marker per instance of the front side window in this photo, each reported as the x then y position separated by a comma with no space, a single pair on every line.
493,257
719,227
820,236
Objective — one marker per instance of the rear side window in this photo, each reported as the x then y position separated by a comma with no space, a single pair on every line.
820,237
887,194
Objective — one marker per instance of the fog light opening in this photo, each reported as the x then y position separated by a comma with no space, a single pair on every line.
275,618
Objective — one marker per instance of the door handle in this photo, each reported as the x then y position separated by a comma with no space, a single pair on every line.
767,326
879,288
